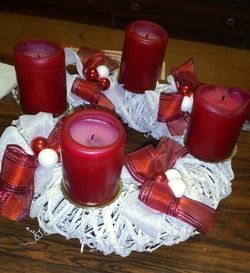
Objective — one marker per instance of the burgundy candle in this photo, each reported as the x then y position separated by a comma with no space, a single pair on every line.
92,147
248,111
142,56
41,76
216,120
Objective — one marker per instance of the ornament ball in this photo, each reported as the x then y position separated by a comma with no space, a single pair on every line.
47,158
38,144
173,174
104,83
178,186
159,177
91,74
186,89
103,71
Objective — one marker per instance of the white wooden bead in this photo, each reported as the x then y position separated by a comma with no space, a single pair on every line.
47,158
173,174
187,104
103,71
178,186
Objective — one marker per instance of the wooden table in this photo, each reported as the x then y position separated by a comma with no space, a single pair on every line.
225,249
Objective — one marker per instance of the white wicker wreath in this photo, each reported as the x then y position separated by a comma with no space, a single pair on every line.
126,224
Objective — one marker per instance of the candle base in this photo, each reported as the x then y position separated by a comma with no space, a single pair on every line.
66,196
65,113
16,96
214,161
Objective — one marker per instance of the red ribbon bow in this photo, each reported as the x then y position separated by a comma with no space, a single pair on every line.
92,58
147,166
90,91
170,103
16,182
17,177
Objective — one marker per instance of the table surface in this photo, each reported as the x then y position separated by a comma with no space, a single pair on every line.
224,249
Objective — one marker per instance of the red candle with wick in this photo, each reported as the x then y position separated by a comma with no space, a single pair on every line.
142,56
216,120
41,76
92,149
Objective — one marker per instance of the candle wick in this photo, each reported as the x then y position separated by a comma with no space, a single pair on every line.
146,36
38,55
223,97
92,138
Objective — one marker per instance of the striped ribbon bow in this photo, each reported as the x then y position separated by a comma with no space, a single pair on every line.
17,177
92,58
170,111
147,166
87,90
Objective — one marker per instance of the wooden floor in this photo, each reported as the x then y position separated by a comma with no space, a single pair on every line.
225,249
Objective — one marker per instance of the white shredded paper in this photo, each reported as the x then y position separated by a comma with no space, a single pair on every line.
126,224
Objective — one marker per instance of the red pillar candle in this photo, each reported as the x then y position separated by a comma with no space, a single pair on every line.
92,149
142,56
41,76
216,120
248,111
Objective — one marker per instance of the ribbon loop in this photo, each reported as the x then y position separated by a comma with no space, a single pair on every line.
145,162
169,151
142,163
184,75
92,58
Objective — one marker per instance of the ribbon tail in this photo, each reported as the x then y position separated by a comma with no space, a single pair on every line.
177,127
170,112
197,214
103,101
90,92
160,197
15,207
169,106
16,182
